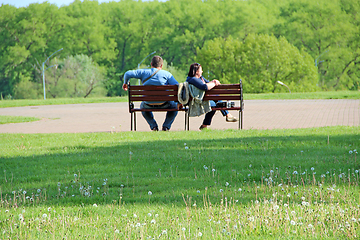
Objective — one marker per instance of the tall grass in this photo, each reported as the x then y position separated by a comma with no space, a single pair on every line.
300,183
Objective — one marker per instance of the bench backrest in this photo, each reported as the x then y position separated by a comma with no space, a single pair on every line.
225,92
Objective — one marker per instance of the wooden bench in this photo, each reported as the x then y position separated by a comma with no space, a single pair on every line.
224,92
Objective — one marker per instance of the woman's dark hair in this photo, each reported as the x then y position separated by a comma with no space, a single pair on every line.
193,69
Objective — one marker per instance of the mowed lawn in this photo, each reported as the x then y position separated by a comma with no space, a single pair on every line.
249,184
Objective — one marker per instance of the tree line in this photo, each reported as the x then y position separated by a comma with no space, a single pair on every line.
310,46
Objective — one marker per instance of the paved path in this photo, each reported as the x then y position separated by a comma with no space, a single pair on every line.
258,114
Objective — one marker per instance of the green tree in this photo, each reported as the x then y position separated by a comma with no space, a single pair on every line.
75,76
260,61
327,33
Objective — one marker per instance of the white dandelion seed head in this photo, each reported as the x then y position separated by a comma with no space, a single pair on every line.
153,221
44,215
227,184
221,190
186,147
149,193
200,234
292,222
213,170
312,169
95,205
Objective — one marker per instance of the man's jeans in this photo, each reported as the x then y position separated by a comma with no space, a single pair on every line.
170,116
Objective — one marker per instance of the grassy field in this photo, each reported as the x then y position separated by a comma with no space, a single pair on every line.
249,184
16,119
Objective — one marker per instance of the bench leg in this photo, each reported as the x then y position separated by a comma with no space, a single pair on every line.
240,120
133,121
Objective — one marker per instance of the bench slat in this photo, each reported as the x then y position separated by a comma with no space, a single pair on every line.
154,98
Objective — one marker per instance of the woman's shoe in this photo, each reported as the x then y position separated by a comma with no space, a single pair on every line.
203,127
231,118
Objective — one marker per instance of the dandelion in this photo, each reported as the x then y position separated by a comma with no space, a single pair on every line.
117,231
213,170
21,218
292,222
186,147
295,172
350,152
39,190
153,221
250,166
183,229
205,167
49,209
221,190
288,195
135,216
44,215
95,205
249,175
200,234
130,153
198,191
149,193
312,169
184,144
310,226
24,192
227,184
239,189
59,184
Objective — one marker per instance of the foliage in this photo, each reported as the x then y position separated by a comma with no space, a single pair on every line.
74,76
260,61
118,35
328,34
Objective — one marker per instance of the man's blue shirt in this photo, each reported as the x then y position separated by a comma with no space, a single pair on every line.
162,77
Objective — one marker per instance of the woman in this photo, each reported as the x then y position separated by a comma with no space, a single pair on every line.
195,78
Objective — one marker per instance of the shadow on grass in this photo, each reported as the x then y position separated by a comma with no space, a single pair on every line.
171,170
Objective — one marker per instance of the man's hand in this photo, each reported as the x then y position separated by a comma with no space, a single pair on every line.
125,87
180,106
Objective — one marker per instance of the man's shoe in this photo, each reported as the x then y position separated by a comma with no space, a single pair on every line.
231,119
155,129
165,129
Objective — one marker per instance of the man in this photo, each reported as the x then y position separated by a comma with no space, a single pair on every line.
154,76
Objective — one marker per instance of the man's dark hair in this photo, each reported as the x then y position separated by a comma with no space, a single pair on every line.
193,69
157,61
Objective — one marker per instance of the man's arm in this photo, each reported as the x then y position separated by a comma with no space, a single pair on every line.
130,74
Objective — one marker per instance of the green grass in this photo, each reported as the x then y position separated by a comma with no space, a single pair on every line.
16,119
249,184
310,95
58,101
